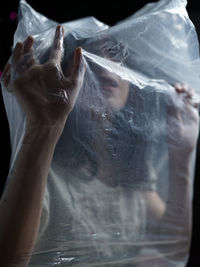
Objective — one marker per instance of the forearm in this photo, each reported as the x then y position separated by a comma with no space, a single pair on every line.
21,203
180,172
178,211
180,177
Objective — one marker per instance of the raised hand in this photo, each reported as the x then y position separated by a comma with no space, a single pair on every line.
46,95
183,120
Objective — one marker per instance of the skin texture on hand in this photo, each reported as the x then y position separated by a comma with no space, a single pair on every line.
44,92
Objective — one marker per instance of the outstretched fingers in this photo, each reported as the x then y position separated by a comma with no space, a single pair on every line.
28,43
17,53
21,59
78,68
57,48
22,49
16,56
28,55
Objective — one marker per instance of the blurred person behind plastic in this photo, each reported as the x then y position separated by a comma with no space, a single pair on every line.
119,190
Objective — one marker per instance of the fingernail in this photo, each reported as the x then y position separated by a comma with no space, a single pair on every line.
59,31
80,50
80,55
27,42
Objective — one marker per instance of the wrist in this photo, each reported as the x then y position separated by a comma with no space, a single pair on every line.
40,129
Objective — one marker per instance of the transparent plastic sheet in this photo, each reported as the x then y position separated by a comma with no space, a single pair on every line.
128,148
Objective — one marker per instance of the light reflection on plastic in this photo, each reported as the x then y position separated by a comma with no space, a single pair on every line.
61,259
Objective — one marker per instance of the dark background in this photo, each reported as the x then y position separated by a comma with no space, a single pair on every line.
109,12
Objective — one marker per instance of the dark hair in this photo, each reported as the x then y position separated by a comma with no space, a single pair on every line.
123,142
75,147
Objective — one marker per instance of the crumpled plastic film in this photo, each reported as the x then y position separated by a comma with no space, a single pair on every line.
119,190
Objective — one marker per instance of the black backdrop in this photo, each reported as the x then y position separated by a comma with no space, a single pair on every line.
108,12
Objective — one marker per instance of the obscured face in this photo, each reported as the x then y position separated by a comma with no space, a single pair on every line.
114,90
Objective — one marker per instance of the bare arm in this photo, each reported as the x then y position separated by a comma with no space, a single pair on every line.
183,129
21,204
47,97
183,126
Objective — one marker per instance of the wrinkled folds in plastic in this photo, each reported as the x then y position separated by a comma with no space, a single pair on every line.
119,190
